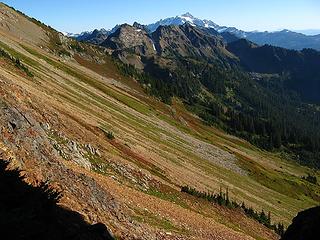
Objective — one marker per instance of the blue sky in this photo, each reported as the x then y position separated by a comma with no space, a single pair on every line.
79,15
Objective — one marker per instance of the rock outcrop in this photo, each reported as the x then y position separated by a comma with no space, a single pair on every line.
33,213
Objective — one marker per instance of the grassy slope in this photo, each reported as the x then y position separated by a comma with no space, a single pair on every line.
167,142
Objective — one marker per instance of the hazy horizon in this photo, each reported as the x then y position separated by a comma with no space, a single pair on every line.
78,16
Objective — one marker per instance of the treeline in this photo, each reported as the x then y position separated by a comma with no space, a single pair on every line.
266,114
16,62
270,133
222,199
162,83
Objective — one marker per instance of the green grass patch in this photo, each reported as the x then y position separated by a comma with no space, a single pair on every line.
17,55
281,182
109,134
98,165
121,97
156,221
15,61
170,196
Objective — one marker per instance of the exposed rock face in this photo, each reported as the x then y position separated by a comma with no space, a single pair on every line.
167,41
305,226
40,217
130,44
132,39
95,37
186,41
140,26
27,144
166,46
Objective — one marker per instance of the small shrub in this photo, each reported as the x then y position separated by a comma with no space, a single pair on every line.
22,67
110,135
310,178
76,47
64,52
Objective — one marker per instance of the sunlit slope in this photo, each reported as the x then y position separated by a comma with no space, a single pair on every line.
103,126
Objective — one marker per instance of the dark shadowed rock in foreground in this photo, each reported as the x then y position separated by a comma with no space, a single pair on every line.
305,226
28,212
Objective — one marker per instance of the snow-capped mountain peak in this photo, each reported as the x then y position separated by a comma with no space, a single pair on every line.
178,20
187,17
182,19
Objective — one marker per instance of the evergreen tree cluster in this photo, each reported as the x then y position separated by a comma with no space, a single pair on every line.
222,199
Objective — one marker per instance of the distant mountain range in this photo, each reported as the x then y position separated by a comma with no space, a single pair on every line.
285,38
309,31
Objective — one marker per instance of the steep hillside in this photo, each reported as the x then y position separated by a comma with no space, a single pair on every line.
286,39
247,90
21,27
301,66
32,212
172,60
120,156
186,41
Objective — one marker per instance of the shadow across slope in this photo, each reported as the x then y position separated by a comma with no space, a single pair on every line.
305,226
28,212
